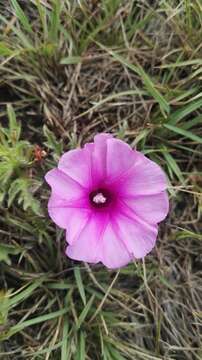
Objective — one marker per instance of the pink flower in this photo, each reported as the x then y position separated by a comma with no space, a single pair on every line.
109,198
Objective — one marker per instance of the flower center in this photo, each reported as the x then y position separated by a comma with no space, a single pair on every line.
100,198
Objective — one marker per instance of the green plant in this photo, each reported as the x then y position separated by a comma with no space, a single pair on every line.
16,160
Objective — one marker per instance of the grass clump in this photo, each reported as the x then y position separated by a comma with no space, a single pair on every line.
69,70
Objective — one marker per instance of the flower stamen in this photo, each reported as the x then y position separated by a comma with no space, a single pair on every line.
99,198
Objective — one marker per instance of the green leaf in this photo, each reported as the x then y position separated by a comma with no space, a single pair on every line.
153,91
6,251
24,294
37,320
79,282
191,123
141,136
55,20
21,188
52,143
64,349
84,313
185,233
166,282
183,132
182,63
14,127
5,50
175,117
173,166
4,306
43,17
82,351
115,354
21,16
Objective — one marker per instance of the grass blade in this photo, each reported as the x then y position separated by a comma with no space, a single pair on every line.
79,282
82,351
25,293
21,36
37,320
84,313
55,21
173,166
43,17
182,63
183,112
185,133
150,86
5,50
21,16
64,350
71,60
110,98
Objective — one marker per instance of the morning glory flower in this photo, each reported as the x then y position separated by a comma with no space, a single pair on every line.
109,198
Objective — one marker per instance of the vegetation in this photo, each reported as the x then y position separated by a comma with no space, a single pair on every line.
70,69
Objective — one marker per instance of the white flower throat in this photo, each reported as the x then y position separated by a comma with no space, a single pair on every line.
99,198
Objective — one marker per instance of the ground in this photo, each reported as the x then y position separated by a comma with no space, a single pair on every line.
71,69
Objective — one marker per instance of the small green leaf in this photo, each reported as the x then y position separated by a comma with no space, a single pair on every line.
22,189
52,143
5,50
6,251
14,126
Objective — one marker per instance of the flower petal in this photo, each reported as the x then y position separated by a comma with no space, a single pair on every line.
102,138
64,186
76,164
99,242
138,236
144,178
151,208
98,159
120,158
114,251
86,247
70,216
